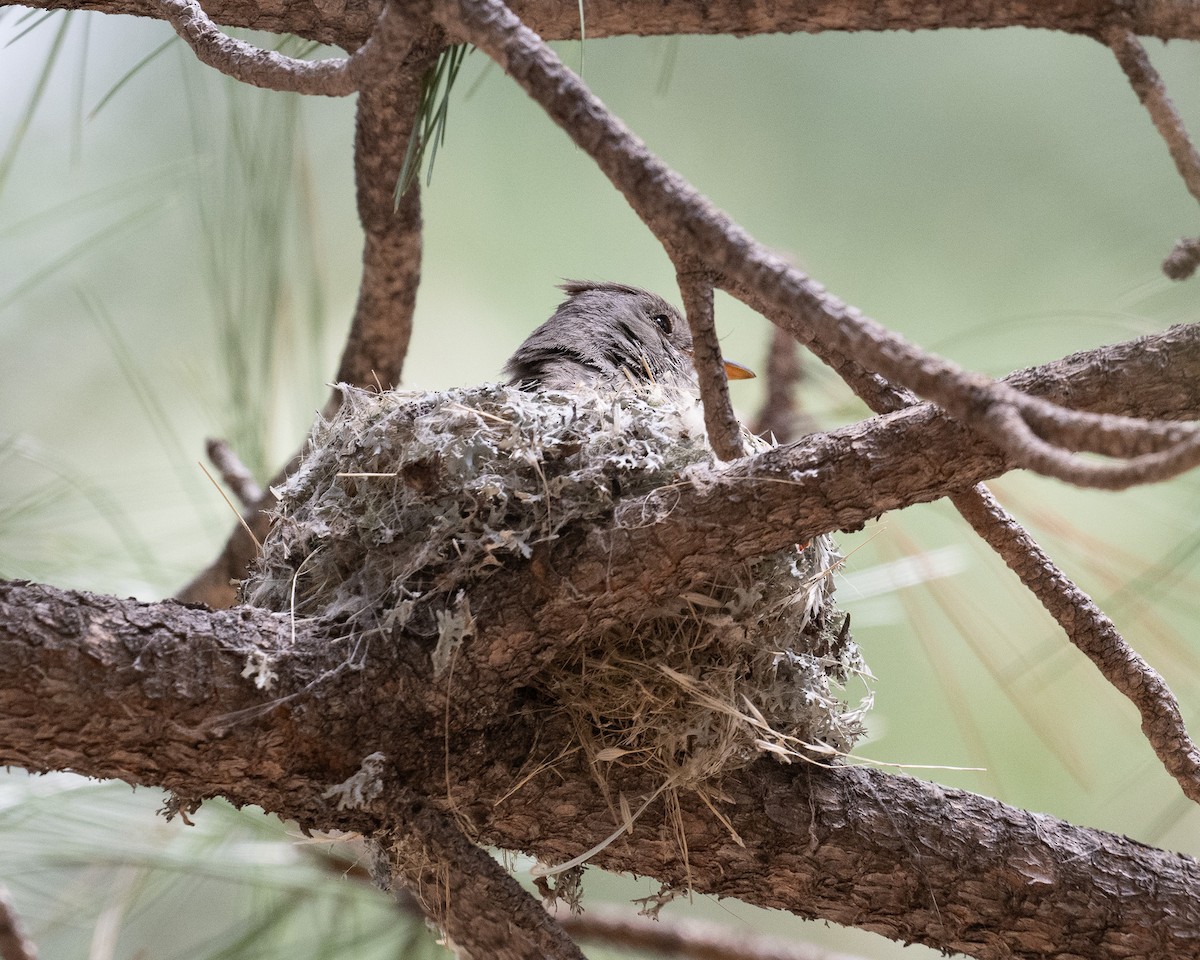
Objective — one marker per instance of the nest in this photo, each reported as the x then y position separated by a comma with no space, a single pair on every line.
406,502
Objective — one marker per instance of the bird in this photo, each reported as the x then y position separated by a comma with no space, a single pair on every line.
606,335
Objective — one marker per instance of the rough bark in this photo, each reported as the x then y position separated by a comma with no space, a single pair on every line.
155,694
347,23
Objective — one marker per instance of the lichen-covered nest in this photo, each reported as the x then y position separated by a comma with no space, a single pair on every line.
406,502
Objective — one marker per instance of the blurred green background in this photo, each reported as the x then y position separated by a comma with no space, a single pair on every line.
182,262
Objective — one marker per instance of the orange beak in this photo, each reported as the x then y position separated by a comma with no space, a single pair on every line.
735,371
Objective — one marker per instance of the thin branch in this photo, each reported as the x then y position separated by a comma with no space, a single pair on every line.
1183,259
233,472
876,391
14,944
780,418
1092,632
1028,449
724,431
1151,91
1181,262
688,225
690,939
253,65
484,912
216,585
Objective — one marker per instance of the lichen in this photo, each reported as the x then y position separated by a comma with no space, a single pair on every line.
406,502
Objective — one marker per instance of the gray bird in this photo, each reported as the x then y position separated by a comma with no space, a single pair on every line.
609,334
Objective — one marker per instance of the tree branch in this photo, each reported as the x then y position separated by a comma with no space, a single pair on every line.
14,944
780,417
348,23
160,693
253,65
1152,93
1085,624
1183,259
1147,84
234,473
484,912
216,585
724,431
1092,632
387,112
688,939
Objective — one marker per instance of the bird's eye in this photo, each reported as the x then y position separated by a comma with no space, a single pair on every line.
663,322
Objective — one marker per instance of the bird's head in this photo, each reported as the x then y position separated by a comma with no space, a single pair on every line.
608,333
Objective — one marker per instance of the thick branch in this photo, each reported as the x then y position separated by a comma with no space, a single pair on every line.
1083,622
689,939
349,23
155,694
1016,877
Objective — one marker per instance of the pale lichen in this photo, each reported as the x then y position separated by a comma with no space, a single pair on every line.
406,502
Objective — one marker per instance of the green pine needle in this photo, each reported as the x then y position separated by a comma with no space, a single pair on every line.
429,130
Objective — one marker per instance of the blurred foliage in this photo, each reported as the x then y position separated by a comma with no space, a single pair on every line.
97,874
184,261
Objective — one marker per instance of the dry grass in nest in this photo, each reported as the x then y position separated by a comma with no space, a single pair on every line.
756,663
404,503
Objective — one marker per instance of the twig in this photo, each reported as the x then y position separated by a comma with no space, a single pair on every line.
780,418
1092,632
233,472
724,431
482,909
1151,91
249,64
1183,259
14,944
693,939
215,585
